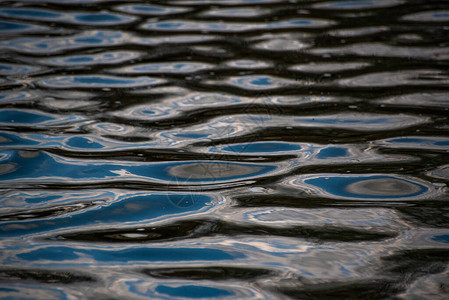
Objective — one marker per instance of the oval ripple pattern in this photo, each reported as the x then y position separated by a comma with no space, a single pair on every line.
229,149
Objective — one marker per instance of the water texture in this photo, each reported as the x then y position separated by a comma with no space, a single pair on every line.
230,149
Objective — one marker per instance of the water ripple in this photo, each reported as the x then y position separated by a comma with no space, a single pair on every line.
416,142
398,78
133,255
134,210
99,81
37,291
20,201
235,149
432,99
320,68
238,125
265,148
258,82
16,96
247,12
287,217
14,69
364,187
202,26
110,57
363,4
13,117
362,122
79,144
7,27
102,18
357,32
177,67
142,286
247,64
225,2
381,50
151,10
40,167
428,16
282,44
442,172
54,45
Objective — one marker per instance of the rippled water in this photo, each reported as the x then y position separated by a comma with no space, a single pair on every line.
242,149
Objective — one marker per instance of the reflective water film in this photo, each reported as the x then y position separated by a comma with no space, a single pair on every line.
224,149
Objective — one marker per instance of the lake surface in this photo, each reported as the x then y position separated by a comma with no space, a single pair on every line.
229,149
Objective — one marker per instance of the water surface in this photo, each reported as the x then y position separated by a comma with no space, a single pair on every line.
232,149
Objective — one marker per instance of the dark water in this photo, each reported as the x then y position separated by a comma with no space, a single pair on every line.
242,149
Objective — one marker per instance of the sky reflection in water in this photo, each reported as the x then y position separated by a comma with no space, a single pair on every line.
364,187
235,149
128,210
35,167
